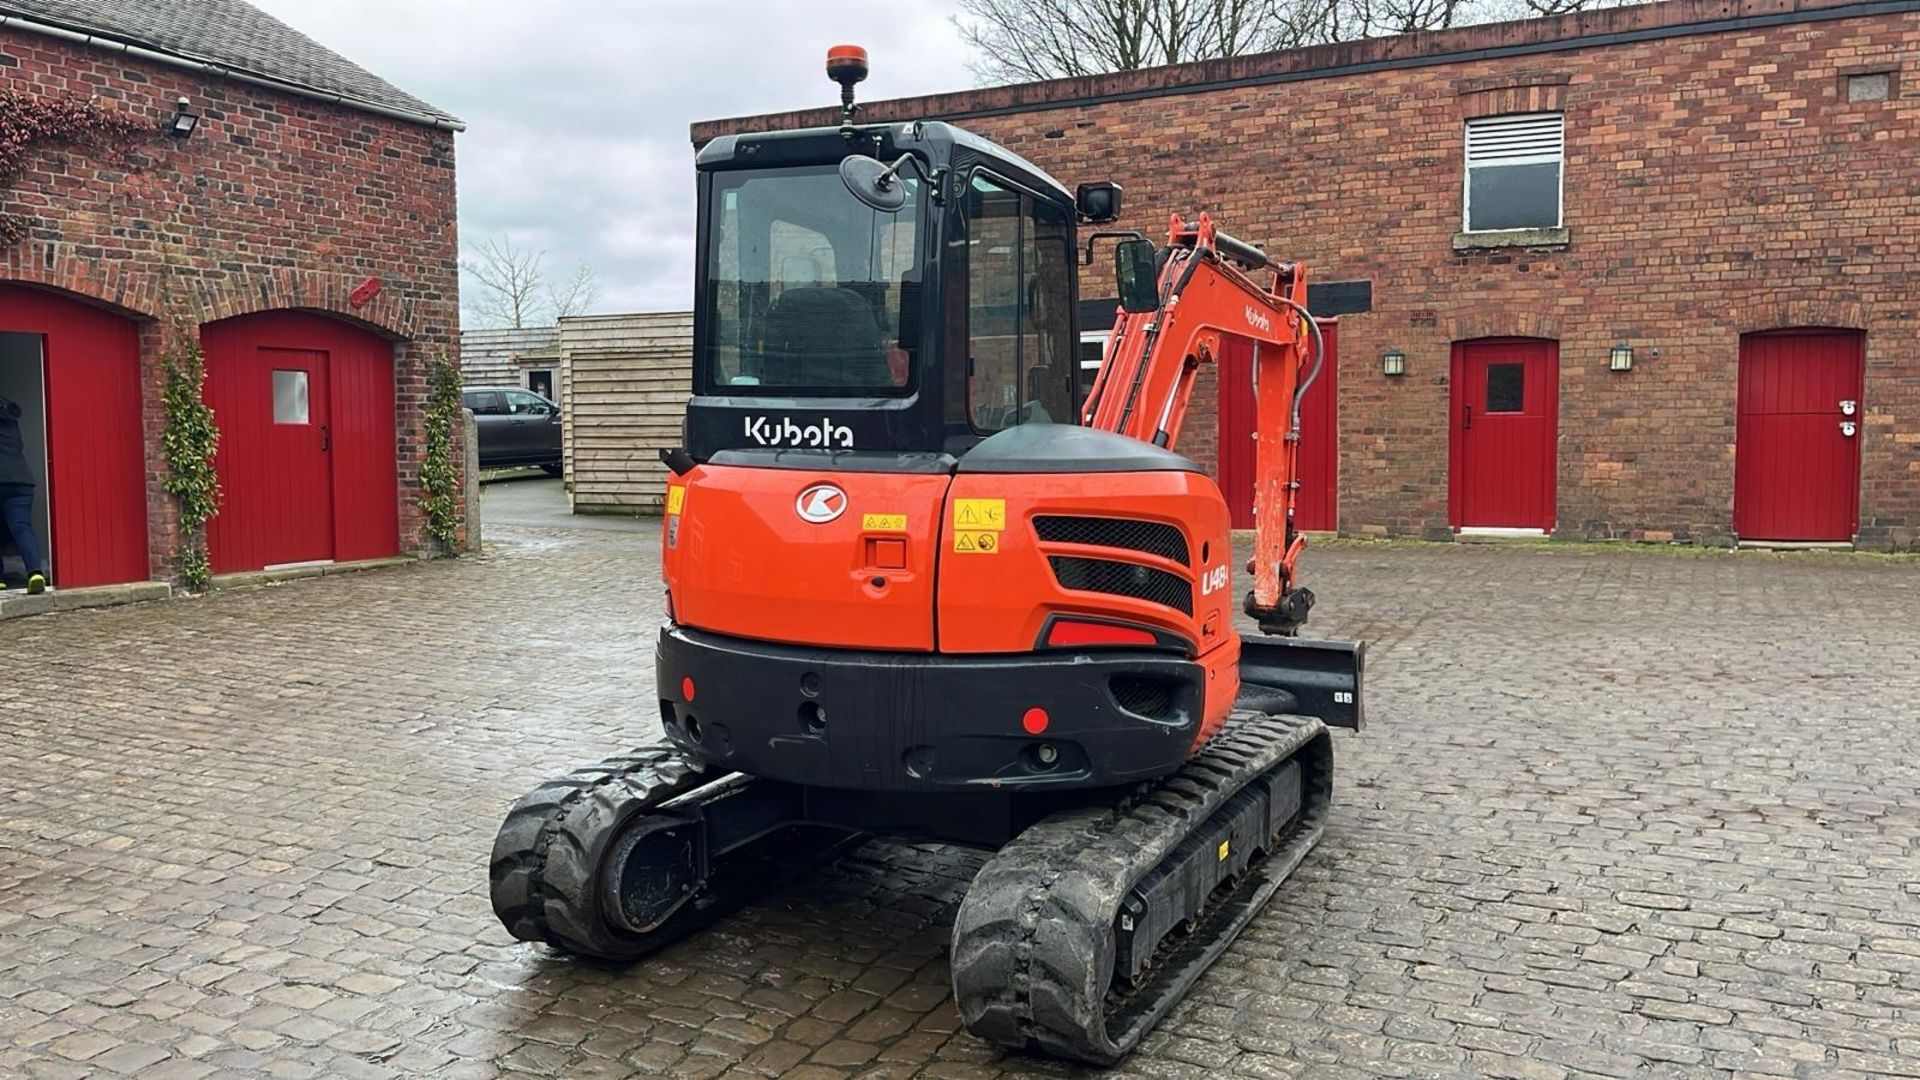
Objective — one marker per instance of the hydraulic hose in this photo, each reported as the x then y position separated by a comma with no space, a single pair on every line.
1319,357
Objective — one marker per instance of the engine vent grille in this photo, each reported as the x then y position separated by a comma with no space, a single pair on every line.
1152,537
1123,579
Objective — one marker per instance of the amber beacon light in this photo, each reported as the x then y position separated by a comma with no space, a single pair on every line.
847,65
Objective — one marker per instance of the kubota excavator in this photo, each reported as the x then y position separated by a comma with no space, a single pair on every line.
909,595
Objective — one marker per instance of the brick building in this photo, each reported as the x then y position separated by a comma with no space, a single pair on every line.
288,209
1684,306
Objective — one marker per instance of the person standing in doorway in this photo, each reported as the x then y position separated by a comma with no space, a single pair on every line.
16,495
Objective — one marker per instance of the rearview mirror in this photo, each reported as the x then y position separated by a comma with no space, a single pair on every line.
875,183
1135,271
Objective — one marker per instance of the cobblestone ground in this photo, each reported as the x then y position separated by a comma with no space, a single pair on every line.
1617,814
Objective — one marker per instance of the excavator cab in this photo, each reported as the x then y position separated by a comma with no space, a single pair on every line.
906,326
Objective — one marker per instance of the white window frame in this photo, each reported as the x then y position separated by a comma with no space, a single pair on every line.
1513,156
1088,337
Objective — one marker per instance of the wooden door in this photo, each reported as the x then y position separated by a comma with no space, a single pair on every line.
1318,505
305,407
1797,442
1505,409
96,445
276,480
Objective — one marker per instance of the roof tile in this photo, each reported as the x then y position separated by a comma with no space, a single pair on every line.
231,34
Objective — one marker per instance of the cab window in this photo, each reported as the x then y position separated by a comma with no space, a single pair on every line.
1020,362
808,290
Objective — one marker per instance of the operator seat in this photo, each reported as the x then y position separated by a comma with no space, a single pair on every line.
824,336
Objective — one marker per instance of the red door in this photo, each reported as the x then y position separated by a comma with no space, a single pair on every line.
305,407
1318,506
96,446
1796,472
1506,407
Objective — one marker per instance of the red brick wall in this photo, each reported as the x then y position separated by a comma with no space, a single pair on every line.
1716,183
277,201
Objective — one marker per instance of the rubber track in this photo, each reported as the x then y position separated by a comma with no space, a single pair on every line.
547,853
1033,940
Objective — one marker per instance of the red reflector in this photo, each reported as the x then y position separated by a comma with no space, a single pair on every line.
1069,632
686,688
1035,721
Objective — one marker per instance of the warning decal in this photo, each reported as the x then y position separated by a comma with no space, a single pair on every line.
884,522
980,514
976,542
676,498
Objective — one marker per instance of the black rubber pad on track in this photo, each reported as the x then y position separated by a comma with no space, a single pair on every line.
1033,944
552,852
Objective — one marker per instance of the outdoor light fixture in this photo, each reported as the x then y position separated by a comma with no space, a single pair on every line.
1620,358
1393,362
184,120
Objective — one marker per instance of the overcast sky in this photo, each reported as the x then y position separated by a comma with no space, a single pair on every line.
577,110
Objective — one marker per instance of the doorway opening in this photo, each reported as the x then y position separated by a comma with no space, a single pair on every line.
23,386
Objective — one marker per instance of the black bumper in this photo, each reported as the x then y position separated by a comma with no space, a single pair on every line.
890,721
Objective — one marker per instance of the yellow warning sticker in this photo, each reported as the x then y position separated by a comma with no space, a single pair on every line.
1223,851
976,542
884,522
676,498
980,514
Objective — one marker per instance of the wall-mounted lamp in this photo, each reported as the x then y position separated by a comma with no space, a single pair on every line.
184,120
1393,362
1620,358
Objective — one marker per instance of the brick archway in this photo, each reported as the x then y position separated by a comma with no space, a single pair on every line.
201,297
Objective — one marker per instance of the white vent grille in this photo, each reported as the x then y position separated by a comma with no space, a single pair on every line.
1515,140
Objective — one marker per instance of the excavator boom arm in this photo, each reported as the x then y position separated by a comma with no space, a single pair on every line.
1207,294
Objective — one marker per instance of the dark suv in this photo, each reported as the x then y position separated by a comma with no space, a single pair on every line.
517,427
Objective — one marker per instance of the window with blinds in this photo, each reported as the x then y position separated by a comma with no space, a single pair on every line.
1513,171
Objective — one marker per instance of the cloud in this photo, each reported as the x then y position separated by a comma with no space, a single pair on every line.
577,111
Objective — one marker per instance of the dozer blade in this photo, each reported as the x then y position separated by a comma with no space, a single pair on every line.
1323,675
1077,937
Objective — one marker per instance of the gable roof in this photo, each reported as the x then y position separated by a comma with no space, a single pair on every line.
232,37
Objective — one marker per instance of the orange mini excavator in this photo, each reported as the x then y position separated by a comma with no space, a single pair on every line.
909,595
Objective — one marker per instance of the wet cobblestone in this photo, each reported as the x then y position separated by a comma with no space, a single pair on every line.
1616,814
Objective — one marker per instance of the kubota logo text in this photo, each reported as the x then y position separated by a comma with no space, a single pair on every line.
1258,319
820,503
782,431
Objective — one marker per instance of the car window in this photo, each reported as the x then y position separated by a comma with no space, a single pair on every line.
522,403
485,403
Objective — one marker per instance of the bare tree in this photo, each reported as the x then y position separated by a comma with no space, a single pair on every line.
509,280
1050,39
575,296
1021,40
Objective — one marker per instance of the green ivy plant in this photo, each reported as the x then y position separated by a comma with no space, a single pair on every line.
440,495
188,444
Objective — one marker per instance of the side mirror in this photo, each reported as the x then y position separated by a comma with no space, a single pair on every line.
1135,269
875,183
1098,203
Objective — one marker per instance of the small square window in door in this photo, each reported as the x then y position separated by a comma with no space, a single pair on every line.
289,397
1506,388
